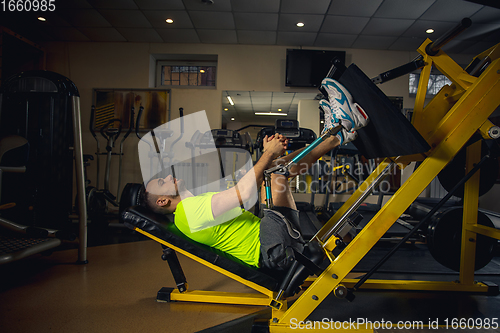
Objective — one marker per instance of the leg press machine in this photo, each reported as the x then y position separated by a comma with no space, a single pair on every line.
449,122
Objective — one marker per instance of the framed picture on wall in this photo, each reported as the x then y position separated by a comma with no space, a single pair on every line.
113,107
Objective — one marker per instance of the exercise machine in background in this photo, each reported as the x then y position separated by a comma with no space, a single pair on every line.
234,149
43,109
18,241
99,199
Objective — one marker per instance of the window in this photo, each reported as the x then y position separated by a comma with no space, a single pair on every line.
436,82
186,71
172,75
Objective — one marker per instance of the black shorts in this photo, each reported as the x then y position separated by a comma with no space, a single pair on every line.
279,230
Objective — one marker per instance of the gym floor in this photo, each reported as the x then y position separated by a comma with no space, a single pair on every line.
116,292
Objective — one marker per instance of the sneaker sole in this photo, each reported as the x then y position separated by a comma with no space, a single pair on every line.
346,98
343,101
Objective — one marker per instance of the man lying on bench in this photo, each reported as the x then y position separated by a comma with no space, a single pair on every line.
257,242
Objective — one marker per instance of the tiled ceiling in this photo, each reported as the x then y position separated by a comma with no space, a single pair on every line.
364,24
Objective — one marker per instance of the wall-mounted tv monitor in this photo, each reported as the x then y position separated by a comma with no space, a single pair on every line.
307,68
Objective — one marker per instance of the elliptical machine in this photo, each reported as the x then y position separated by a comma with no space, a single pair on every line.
98,200
160,137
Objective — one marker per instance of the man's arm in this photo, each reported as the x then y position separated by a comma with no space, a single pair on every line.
307,161
247,186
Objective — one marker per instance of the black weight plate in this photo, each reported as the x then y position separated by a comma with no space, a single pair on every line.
89,193
455,171
444,236
96,203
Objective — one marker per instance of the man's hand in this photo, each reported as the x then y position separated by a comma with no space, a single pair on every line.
275,144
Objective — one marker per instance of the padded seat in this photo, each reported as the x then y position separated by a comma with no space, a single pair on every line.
160,227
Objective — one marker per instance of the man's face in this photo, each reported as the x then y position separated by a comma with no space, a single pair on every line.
166,186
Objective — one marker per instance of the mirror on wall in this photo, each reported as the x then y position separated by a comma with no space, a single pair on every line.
243,108
250,111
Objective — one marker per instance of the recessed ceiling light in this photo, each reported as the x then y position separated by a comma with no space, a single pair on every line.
279,109
43,19
232,118
429,31
169,21
322,122
202,71
300,24
226,109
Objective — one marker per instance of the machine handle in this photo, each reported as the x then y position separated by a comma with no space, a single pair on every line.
433,48
92,119
131,124
106,126
181,115
417,63
138,120
336,70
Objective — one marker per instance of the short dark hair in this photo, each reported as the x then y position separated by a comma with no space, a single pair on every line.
149,202
149,199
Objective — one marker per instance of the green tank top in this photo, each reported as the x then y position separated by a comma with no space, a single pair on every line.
236,232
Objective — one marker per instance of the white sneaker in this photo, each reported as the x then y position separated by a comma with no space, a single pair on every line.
342,106
329,121
344,136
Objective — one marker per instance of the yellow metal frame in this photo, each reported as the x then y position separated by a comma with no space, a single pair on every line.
263,299
447,122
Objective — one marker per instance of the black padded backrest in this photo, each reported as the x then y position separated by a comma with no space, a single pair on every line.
160,226
131,196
